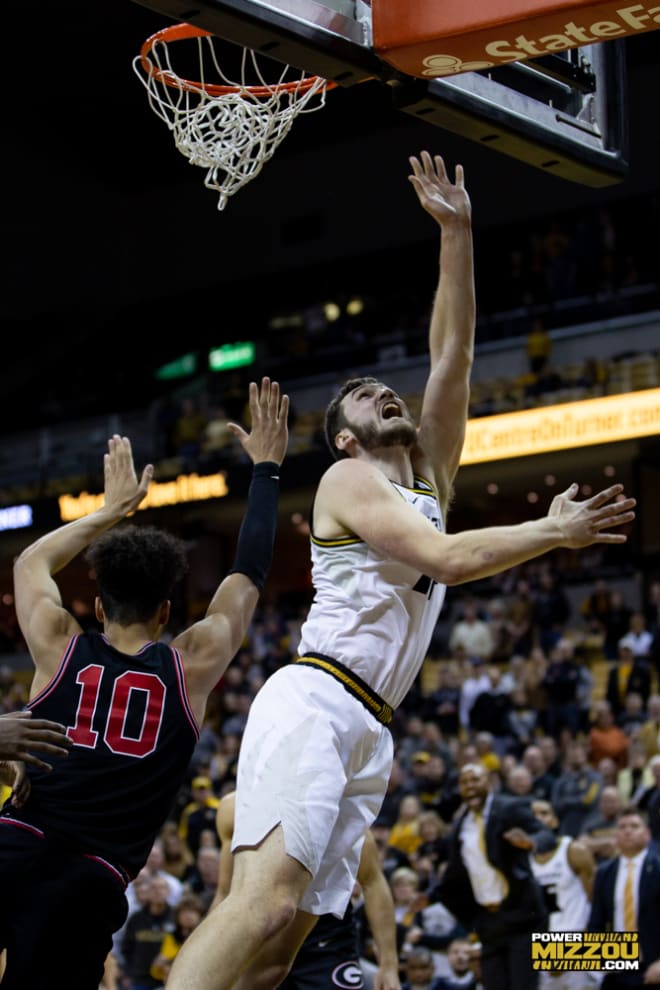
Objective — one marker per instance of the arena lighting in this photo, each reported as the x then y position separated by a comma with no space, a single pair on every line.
562,427
15,517
185,488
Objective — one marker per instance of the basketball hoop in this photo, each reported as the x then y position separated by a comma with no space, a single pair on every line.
229,127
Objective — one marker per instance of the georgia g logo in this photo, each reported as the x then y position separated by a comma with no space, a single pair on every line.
348,976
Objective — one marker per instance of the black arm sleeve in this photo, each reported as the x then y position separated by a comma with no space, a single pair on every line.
254,550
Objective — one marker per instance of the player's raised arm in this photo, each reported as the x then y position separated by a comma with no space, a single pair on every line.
451,331
44,623
209,645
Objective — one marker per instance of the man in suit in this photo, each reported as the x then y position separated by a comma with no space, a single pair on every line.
610,905
488,884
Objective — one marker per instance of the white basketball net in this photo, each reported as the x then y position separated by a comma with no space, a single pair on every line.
231,135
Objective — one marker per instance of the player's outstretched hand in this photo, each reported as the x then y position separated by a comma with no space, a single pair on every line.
21,734
446,201
588,522
123,491
269,432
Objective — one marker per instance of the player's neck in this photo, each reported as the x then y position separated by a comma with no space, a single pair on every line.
394,462
129,639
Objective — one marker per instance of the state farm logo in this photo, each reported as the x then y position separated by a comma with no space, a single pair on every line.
624,21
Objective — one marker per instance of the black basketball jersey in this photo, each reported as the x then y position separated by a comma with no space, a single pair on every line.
133,734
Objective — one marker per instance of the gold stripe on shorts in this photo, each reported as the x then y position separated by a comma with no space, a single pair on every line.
353,684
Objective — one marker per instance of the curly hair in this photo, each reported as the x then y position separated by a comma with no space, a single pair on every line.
136,569
335,419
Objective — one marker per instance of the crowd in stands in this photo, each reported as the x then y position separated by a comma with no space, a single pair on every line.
558,702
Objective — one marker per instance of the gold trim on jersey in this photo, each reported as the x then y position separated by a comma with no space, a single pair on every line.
339,541
353,684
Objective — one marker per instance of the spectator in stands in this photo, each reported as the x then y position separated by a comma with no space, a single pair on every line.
432,850
408,899
519,781
501,631
605,738
629,673
598,829
472,632
633,779
418,969
443,704
649,731
433,927
552,756
203,878
576,792
561,682
463,967
405,830
177,857
616,624
490,712
520,615
551,611
397,788
633,715
542,781
390,857
487,755
187,915
154,868
143,936
411,740
596,606
638,637
523,721
649,802
199,814
476,681
437,788
609,771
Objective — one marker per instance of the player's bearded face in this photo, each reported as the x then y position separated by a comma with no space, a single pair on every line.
372,437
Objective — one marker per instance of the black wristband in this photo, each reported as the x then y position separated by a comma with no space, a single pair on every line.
256,537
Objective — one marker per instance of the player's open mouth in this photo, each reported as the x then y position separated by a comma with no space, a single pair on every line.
390,409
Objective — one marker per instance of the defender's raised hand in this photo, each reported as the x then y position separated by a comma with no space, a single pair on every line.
585,523
269,432
446,201
123,491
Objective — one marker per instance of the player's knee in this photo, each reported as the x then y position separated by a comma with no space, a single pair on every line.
281,914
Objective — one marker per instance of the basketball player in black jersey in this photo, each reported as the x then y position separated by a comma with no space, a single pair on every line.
132,707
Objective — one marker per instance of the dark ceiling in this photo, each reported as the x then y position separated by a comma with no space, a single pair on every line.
116,254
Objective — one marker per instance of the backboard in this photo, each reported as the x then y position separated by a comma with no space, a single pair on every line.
562,112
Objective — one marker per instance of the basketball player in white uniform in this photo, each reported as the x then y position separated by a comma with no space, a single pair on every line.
566,875
316,753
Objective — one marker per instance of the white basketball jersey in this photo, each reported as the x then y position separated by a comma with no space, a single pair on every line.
371,613
565,897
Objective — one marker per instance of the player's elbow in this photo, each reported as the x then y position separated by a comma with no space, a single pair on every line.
452,568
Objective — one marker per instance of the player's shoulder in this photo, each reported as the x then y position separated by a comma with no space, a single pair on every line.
350,471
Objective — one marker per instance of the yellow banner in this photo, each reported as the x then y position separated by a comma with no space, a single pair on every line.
185,488
570,425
